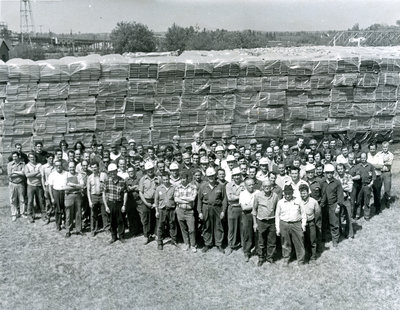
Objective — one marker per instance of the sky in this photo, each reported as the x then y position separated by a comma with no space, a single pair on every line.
99,16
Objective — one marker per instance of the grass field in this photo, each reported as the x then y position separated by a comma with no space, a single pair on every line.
40,269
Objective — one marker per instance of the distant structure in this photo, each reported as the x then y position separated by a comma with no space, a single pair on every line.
367,37
4,51
27,24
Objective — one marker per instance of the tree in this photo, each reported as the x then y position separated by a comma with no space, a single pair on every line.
26,51
398,22
132,37
176,37
356,27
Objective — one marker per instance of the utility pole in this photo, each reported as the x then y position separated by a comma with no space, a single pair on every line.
27,24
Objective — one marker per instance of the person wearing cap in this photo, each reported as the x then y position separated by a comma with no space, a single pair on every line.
219,153
347,184
164,205
185,195
114,198
133,202
132,145
262,174
313,211
290,222
246,201
332,199
365,172
174,170
186,162
212,205
313,145
147,187
213,145
231,149
73,200
227,165
376,160
224,140
17,185
253,147
233,190
204,165
95,187
263,212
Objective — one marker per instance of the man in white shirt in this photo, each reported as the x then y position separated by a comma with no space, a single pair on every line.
386,172
376,160
57,184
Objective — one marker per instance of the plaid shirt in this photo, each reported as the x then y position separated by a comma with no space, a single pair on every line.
188,192
115,189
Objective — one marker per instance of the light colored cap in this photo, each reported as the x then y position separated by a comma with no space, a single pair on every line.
231,147
253,141
173,166
236,170
185,155
176,137
309,167
329,168
204,160
148,165
210,172
264,161
112,167
230,158
225,135
219,148
131,141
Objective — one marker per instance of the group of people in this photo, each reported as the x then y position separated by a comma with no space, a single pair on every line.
248,196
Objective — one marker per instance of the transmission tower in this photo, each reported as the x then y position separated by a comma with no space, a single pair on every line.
27,25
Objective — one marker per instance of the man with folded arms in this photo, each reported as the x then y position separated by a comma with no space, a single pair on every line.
265,202
233,190
185,195
291,221
16,178
246,201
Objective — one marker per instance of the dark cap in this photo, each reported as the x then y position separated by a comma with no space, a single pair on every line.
288,189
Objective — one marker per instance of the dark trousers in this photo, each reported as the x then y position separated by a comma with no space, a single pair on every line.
59,206
266,239
167,217
95,212
247,232
86,212
105,217
292,232
116,220
364,200
73,211
35,192
186,222
376,189
324,224
133,216
334,222
310,239
355,204
212,226
387,187
147,216
234,222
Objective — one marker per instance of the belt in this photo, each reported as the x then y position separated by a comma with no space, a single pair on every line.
58,190
184,207
311,221
235,205
246,211
71,193
291,222
267,220
96,194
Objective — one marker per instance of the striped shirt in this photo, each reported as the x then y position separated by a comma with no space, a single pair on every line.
188,193
115,189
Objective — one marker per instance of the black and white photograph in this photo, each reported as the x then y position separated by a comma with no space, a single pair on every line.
199,154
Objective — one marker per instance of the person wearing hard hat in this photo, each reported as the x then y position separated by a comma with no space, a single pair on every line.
233,190
147,188
347,184
212,205
228,167
114,199
262,174
332,200
290,222
219,153
204,165
224,140
174,170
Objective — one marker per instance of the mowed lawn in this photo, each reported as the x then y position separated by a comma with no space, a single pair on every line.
40,269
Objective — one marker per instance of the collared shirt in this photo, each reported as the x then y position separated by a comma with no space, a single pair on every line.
367,172
315,188
115,189
164,197
246,200
312,209
342,160
133,193
376,160
278,191
296,192
188,192
123,175
347,182
212,196
75,179
233,191
58,180
261,176
289,211
282,180
95,183
41,157
332,193
175,182
14,167
147,186
35,180
264,206
387,160
46,170
84,175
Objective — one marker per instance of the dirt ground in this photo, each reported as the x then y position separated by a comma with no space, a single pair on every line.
40,269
